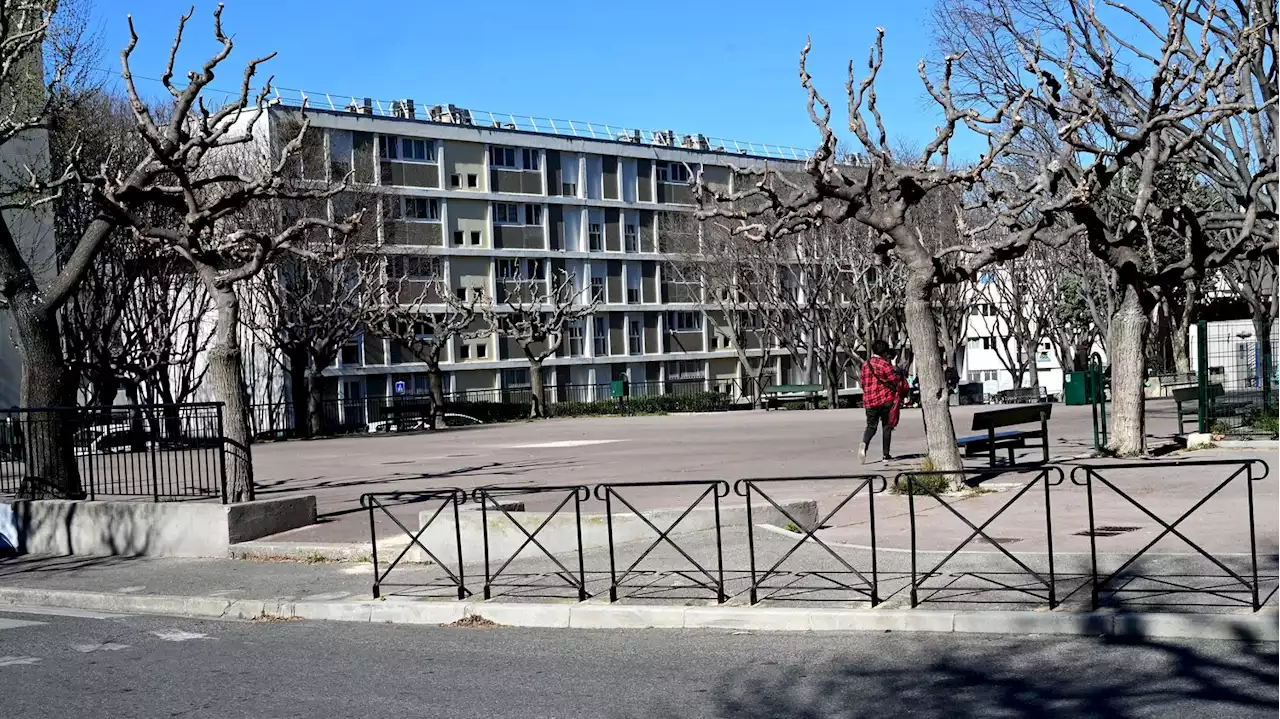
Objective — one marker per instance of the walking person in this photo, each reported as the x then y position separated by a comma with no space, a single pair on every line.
882,388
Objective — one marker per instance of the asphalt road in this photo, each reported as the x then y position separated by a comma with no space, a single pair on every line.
131,666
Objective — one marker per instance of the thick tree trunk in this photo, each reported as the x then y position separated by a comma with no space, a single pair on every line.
1182,330
51,470
300,392
435,385
226,379
1126,344
315,407
940,433
1266,360
1033,372
537,398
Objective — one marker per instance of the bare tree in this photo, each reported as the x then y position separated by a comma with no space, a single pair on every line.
1112,109
537,317
879,193
419,312
308,306
1014,290
214,169
708,266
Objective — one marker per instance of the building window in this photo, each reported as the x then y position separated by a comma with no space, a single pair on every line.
482,350
415,267
684,321
464,351
457,237
597,289
535,269
455,180
673,172
473,180
634,338
595,237
508,269
533,215
517,378
529,159
684,370
600,336
502,157
975,376
992,375
421,208
575,332
351,354
569,189
506,213
388,148
420,150
630,238
406,148
633,295
475,237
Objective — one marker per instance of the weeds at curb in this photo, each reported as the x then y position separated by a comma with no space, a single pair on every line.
474,621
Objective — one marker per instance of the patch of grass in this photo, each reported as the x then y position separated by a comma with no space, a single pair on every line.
793,527
976,492
928,481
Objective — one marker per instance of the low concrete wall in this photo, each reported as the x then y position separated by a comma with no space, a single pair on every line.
560,536
166,529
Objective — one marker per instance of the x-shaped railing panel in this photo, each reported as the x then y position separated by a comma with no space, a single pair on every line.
716,489
1244,467
747,487
488,498
1043,476
449,497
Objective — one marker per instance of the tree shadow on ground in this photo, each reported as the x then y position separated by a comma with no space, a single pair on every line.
488,469
1006,677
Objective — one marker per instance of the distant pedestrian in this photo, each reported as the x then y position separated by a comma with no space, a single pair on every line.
953,377
882,388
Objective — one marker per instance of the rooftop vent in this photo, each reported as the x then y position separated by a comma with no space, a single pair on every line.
403,108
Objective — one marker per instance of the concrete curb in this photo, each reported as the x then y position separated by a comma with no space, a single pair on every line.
1252,627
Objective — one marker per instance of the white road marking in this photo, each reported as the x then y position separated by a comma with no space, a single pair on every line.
225,592
102,647
15,623
179,636
60,612
562,443
127,590
12,661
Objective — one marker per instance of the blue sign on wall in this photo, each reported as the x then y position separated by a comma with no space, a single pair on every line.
400,387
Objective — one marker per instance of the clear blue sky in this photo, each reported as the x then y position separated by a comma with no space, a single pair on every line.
722,69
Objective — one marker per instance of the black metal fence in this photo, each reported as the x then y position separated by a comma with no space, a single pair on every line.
1129,576
161,452
1237,381
651,556
339,416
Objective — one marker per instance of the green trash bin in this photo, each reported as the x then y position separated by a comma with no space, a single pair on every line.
618,389
1075,389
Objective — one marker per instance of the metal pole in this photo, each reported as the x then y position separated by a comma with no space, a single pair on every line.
1202,372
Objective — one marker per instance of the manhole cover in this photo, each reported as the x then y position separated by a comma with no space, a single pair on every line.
1107,530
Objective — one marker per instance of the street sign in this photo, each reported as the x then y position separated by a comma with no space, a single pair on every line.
400,387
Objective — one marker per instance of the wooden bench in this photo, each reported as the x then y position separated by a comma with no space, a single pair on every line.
775,395
991,420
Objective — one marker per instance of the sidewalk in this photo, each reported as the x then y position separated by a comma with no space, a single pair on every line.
974,592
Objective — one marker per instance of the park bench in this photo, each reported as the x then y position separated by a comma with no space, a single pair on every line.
1172,381
1187,400
992,420
1023,395
405,415
779,393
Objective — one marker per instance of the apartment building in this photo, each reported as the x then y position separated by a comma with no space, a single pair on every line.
476,202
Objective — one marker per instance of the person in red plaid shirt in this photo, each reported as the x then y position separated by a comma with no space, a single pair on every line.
882,388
